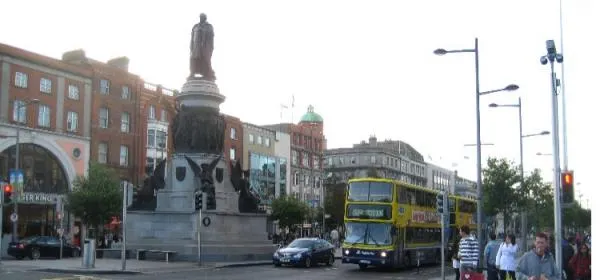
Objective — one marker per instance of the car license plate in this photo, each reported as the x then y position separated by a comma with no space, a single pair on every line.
285,260
364,261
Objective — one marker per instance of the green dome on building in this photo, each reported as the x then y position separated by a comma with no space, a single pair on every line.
311,116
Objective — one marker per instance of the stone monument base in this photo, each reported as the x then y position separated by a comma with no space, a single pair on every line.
225,236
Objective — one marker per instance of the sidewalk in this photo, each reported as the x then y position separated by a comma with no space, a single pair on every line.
113,266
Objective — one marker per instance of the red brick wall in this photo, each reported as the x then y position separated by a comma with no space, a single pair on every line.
237,143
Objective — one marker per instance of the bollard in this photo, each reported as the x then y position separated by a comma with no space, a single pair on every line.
89,253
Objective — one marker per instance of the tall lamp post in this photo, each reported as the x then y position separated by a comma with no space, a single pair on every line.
553,56
17,156
478,93
521,169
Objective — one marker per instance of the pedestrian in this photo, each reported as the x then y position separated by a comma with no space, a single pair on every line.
581,263
568,251
506,259
538,264
468,250
490,253
335,238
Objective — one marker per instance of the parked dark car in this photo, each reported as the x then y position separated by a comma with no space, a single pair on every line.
305,252
36,247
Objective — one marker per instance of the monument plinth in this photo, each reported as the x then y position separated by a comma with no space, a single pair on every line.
231,227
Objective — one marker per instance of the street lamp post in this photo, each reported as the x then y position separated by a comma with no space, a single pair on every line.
17,165
478,93
553,56
521,169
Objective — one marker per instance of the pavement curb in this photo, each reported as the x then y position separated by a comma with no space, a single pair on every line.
243,264
88,272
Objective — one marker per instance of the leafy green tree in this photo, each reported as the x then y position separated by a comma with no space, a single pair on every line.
499,196
538,200
289,211
97,197
576,217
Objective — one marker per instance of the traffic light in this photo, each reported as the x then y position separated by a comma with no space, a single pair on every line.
567,187
441,202
8,191
198,200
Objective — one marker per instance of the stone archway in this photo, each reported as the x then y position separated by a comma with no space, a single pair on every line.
62,159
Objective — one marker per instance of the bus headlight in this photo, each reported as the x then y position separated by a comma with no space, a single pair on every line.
383,254
347,252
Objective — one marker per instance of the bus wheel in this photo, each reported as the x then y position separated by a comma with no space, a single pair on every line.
362,266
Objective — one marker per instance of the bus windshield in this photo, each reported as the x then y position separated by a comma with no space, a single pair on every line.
370,191
369,233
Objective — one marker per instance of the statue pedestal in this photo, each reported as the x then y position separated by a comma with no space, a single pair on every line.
200,93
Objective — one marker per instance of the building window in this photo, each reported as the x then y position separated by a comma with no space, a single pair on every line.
103,153
251,138
151,112
232,153
72,121
19,111
20,80
259,140
45,85
315,162
125,93
161,139
44,115
104,86
373,159
232,133
73,92
125,122
267,142
163,115
124,156
103,118
296,178
305,159
151,138
295,157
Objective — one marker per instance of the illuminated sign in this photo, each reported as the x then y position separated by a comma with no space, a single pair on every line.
369,211
425,217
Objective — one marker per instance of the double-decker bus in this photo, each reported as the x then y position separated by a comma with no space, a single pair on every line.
395,224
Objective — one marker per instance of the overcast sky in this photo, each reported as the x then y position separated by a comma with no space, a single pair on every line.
366,66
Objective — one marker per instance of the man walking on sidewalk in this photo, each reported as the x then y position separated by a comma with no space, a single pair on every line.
490,252
468,251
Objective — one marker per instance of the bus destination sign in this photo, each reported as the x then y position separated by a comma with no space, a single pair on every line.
369,211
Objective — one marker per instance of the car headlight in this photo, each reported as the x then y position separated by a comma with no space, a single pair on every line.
299,255
275,254
383,254
347,252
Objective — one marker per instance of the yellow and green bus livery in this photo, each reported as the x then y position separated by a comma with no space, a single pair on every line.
395,224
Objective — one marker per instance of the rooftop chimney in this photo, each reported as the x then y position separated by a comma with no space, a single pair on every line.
120,62
75,57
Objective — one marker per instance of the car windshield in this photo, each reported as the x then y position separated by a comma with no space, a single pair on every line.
369,233
28,240
301,243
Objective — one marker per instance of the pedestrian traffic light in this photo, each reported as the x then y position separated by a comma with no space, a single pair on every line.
198,200
441,202
567,187
8,191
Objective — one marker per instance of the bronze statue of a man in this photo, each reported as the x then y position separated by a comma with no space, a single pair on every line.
201,49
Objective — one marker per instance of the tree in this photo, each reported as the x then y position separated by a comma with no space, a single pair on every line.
499,177
538,200
576,217
289,211
97,197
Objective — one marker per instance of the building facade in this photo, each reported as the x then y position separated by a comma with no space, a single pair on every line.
440,179
389,159
49,103
233,146
115,122
306,151
157,109
465,187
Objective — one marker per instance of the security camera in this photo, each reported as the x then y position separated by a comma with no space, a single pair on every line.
559,58
544,60
550,47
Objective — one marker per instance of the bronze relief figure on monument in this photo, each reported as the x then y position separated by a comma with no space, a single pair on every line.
201,49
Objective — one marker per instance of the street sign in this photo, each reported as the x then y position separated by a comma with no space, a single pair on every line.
14,217
16,180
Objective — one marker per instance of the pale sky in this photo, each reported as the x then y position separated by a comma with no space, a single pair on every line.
366,66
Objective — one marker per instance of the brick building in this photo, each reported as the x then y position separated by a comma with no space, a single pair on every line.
48,103
234,140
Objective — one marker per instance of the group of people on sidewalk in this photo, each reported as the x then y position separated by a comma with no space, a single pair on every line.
503,262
